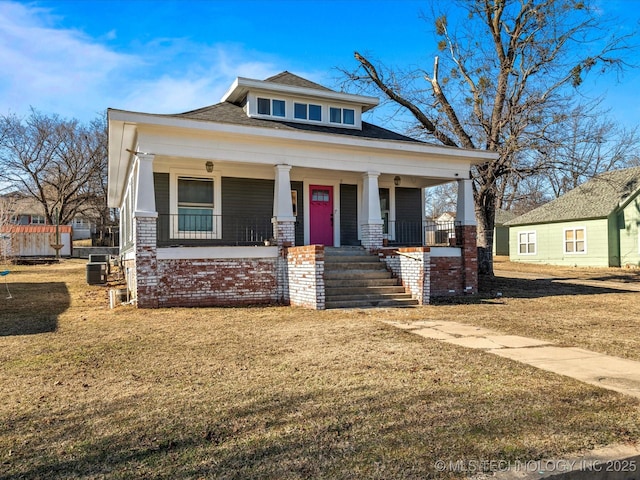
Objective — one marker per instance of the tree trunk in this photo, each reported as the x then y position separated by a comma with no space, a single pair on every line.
485,216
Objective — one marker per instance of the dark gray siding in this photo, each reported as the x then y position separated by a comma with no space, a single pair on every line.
299,187
408,216
349,215
247,208
161,187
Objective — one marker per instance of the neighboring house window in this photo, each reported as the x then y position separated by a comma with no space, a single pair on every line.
575,240
527,243
268,106
20,219
342,115
37,220
302,111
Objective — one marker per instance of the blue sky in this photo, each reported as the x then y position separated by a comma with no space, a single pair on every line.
79,57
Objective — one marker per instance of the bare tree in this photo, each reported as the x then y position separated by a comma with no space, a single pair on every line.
506,73
441,199
7,204
60,163
586,144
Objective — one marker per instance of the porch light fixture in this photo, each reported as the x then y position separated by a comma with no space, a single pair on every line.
209,166
396,180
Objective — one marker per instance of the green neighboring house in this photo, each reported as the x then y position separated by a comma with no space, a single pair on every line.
501,232
596,224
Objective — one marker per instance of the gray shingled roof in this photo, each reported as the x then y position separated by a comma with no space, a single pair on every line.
227,112
596,198
503,216
288,78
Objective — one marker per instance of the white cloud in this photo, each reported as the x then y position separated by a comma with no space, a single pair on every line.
66,71
53,70
196,76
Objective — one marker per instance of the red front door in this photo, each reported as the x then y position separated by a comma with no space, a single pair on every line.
321,215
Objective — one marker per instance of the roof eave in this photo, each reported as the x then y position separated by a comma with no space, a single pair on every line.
131,119
122,134
242,85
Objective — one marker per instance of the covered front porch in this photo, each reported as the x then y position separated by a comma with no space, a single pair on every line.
242,239
253,205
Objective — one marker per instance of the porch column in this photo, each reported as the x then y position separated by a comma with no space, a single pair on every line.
372,223
283,219
466,236
145,201
465,210
145,240
284,227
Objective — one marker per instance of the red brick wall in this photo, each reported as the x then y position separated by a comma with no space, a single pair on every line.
467,235
216,282
446,276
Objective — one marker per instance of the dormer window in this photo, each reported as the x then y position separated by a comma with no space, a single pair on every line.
303,111
342,115
269,106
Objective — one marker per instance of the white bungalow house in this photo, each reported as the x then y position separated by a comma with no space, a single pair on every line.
242,202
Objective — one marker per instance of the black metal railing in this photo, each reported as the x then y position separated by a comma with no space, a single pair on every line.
186,229
426,232
438,233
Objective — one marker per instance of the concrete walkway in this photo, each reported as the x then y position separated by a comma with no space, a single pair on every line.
604,371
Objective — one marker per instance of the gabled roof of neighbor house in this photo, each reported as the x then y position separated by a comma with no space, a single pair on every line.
503,216
597,198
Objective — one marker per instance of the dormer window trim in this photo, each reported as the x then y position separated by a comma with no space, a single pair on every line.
262,104
306,111
271,107
342,115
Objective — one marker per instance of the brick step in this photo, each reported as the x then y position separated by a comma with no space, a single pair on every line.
371,296
350,266
339,259
356,279
371,303
355,274
360,282
364,290
345,251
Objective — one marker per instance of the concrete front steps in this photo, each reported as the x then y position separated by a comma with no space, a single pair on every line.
355,279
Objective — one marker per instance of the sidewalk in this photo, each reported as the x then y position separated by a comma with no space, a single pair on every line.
604,371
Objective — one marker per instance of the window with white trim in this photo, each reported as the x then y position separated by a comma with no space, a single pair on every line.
195,205
345,116
38,220
272,107
304,111
527,243
80,223
575,240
